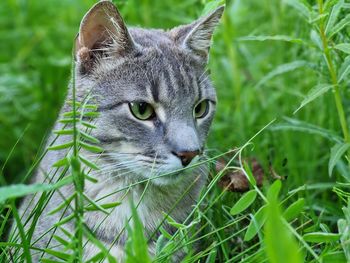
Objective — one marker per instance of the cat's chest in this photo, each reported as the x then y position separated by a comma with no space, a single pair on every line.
153,205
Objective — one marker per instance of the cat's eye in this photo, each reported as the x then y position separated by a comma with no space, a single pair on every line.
201,109
142,110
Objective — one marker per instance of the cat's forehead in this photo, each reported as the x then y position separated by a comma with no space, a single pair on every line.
160,79
162,73
150,37
166,80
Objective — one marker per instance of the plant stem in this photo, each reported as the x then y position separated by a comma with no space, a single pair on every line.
78,179
334,79
25,241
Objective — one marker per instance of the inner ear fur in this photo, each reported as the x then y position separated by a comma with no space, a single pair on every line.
196,37
102,30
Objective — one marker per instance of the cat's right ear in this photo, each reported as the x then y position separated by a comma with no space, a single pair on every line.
102,32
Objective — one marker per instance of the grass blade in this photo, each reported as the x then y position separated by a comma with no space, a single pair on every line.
337,152
313,94
244,202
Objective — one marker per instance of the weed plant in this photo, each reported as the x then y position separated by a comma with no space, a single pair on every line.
281,69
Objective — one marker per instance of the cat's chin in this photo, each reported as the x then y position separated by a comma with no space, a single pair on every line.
172,176
169,178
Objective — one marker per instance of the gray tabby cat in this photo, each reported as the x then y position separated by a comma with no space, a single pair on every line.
156,105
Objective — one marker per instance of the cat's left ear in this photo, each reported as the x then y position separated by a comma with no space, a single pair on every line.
197,36
102,30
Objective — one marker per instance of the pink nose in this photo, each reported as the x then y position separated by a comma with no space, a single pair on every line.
186,157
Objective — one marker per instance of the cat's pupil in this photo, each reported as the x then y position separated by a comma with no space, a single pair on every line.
142,107
198,108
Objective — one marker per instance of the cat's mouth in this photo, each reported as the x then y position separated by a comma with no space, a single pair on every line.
161,171
171,170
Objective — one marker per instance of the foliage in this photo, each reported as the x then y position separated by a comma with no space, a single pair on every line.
282,61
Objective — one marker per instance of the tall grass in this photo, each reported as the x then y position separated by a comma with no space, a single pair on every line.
281,69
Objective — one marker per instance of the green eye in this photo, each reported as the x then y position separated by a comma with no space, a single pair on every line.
201,109
142,110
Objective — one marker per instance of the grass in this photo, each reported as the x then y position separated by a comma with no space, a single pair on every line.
268,59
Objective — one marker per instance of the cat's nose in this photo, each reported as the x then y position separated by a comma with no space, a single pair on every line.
186,156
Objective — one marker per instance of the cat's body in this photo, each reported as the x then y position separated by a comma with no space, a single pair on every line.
120,67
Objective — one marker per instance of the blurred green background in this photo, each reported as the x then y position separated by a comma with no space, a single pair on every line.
256,81
266,56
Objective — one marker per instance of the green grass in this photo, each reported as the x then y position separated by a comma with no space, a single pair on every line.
267,57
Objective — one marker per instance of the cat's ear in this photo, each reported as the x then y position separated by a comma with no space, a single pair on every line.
197,36
102,30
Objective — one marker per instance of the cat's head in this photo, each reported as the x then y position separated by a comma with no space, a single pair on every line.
156,101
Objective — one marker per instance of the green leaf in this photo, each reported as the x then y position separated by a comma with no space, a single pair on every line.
177,225
343,47
164,232
88,125
271,38
88,137
97,258
294,209
136,247
66,232
342,23
90,147
343,169
334,257
313,94
91,114
212,256
68,120
274,190
88,163
64,204
92,107
19,190
47,260
344,231
321,237
61,146
57,254
337,152
255,224
77,103
70,114
300,7
64,132
333,16
280,245
93,206
62,241
110,205
317,18
281,69
62,162
64,220
96,207
315,38
249,174
243,203
90,178
297,125
160,244
329,4
172,221
344,69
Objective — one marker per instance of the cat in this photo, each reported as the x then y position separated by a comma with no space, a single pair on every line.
156,105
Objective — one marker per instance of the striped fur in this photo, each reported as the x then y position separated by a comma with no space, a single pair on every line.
166,69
